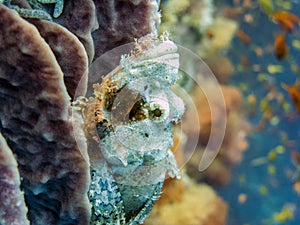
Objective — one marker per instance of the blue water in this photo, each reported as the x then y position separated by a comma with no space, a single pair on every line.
266,193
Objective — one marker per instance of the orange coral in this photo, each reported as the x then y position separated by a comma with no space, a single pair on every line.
234,143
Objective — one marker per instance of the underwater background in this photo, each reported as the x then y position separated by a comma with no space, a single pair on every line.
49,52
267,173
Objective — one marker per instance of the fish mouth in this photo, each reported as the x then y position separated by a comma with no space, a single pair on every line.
161,49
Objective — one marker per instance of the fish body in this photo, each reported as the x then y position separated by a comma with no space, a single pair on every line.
280,47
135,112
286,20
294,93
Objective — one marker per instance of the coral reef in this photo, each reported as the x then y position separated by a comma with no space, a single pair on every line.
218,38
36,124
182,17
122,21
234,143
188,203
195,26
79,17
69,53
12,204
221,67
216,41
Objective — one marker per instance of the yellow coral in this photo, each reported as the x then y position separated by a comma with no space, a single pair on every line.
213,209
170,12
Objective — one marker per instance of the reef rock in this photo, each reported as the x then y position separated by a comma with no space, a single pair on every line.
121,21
36,124
12,204
69,53
80,18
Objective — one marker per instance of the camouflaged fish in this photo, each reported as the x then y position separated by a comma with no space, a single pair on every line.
134,110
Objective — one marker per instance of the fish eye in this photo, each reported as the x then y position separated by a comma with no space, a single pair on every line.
158,111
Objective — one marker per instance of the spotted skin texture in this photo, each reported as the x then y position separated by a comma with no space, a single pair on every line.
109,209
37,11
58,7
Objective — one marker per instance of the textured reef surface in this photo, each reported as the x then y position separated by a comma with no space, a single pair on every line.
36,124
13,209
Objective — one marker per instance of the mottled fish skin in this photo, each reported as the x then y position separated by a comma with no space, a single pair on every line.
58,7
37,11
136,148
104,195
144,212
106,199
